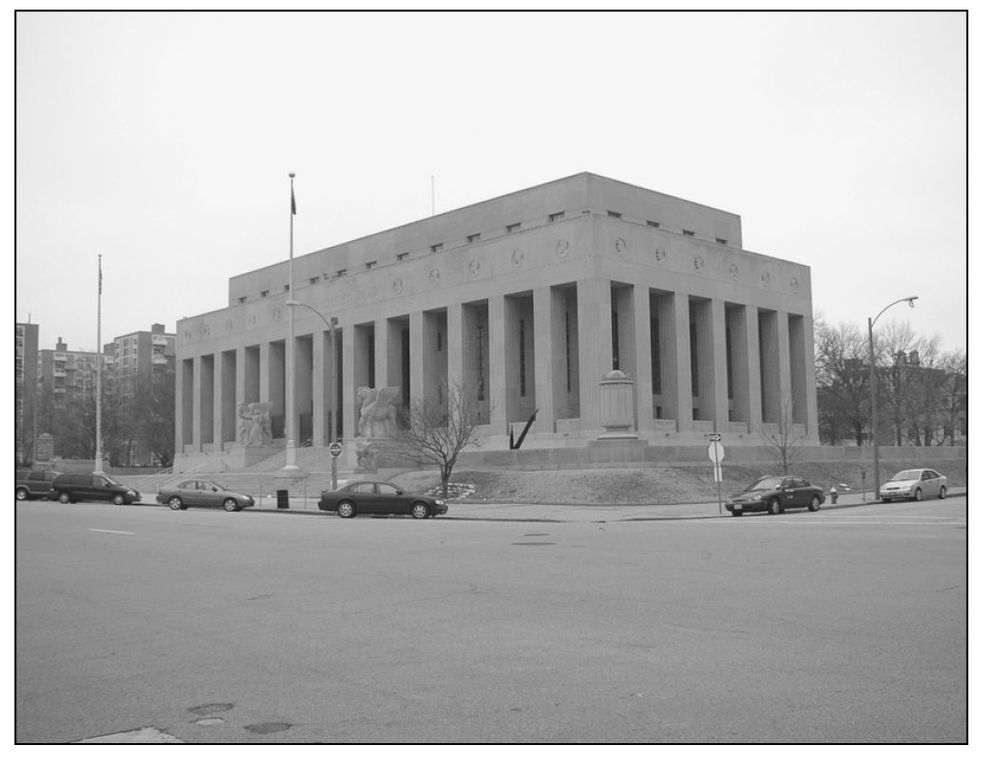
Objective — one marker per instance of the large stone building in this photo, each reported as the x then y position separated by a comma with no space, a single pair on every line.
527,301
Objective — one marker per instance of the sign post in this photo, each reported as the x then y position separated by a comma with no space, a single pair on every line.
716,453
335,449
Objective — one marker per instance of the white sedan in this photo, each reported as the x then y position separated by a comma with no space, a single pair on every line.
915,484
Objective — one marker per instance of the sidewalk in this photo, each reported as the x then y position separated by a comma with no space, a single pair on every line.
549,513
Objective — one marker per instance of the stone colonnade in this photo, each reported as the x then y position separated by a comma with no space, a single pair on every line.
699,364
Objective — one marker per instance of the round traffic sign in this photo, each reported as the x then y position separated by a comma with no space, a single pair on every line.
335,448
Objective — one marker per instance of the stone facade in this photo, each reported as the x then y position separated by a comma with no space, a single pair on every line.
526,301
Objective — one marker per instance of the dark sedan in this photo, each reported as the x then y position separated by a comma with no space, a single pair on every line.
378,498
776,494
203,493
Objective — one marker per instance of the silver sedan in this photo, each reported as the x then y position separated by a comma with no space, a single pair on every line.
915,484
203,493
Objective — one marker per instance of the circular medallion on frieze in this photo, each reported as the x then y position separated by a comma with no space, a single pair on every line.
766,279
620,246
474,268
732,271
660,255
517,258
251,319
397,285
794,284
698,264
277,314
434,276
207,330
562,247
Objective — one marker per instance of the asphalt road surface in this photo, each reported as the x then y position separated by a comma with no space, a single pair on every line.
844,626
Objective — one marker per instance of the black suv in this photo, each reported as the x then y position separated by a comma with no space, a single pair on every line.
88,486
33,484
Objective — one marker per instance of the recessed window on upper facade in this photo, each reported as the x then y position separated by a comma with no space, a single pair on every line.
437,247
613,214
688,233
512,227
286,289
314,280
341,272
264,293
556,216
242,299
722,241
370,265
472,237
402,256
652,223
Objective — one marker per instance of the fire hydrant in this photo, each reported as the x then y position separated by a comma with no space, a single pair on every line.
833,494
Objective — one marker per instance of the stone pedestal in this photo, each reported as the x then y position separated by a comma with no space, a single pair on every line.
617,406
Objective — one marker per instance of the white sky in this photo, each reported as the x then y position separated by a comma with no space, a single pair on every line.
164,142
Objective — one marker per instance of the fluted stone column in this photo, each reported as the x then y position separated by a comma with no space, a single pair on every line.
681,337
455,338
416,356
349,413
546,350
642,371
497,351
197,404
719,352
593,297
217,393
753,411
320,377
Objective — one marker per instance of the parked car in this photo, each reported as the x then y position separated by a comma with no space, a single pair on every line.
379,498
88,486
775,494
33,484
914,484
203,493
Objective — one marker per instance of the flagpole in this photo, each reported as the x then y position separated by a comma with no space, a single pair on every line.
290,350
98,464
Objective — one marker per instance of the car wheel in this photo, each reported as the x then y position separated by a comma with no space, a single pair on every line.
175,503
21,494
230,505
774,508
64,498
918,496
886,501
345,509
118,499
736,512
943,492
815,504
420,511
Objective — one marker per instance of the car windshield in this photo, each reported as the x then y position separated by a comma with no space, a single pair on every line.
110,481
908,475
764,484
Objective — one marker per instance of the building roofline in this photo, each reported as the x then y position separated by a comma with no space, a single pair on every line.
584,174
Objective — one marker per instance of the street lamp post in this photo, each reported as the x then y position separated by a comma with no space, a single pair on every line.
332,324
874,394
290,349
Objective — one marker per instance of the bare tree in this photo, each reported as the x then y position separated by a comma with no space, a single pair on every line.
437,430
786,437
842,382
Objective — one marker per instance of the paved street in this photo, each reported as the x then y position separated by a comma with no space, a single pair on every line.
847,625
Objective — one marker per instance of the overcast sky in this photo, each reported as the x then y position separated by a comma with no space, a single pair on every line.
164,141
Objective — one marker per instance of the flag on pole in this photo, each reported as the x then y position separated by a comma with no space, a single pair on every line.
101,276
293,200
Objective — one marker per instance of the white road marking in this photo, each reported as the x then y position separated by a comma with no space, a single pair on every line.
104,530
145,735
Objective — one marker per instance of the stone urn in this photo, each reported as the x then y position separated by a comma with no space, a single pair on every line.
617,406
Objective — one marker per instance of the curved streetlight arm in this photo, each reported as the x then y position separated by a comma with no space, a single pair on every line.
910,300
297,304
